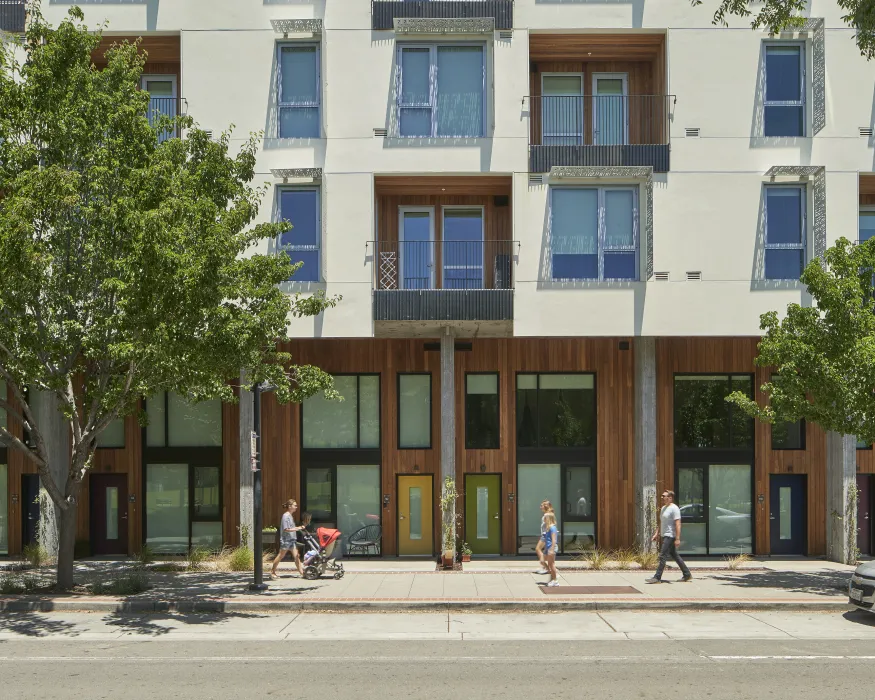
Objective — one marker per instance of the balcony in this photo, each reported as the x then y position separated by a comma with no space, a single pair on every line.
444,280
385,12
608,130
12,16
165,107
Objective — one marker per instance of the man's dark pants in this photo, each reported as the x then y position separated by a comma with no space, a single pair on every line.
669,550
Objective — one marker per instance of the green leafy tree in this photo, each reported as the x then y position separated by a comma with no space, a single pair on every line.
125,260
779,15
823,354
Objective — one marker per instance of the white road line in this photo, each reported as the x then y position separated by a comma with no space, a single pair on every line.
411,659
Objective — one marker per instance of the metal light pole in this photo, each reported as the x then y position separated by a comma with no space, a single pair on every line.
258,584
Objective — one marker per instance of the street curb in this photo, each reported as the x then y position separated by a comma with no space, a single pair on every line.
377,606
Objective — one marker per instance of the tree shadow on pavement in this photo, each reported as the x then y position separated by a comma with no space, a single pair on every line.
149,623
33,624
826,583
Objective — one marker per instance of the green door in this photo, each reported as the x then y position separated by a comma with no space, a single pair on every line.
483,513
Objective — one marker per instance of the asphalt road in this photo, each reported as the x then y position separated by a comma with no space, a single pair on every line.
712,669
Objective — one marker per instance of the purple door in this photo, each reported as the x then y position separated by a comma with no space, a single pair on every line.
864,513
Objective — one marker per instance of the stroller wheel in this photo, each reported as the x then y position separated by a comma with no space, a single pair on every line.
339,575
311,573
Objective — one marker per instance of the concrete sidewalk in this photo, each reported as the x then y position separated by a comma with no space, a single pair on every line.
497,584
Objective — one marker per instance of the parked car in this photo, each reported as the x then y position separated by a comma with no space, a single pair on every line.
861,588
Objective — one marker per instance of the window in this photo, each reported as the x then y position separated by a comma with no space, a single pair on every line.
784,105
594,233
113,436
703,418
301,208
571,490
867,224
343,496
555,410
482,427
174,422
788,436
440,91
414,411
348,424
183,507
785,232
716,502
863,445
298,88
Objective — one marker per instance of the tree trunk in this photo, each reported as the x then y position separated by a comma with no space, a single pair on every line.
56,434
66,544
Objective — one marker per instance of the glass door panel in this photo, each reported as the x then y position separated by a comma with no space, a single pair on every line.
111,513
207,501
358,498
729,509
319,495
562,110
536,483
463,249
417,249
610,110
415,512
415,509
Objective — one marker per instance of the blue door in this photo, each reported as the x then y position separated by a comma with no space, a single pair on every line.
788,522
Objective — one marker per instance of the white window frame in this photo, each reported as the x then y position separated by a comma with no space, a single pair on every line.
412,210
302,248
602,232
433,87
444,267
595,127
280,105
579,137
803,245
803,88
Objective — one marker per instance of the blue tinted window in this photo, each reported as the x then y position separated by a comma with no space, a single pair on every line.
785,233
783,112
594,232
299,91
867,225
301,209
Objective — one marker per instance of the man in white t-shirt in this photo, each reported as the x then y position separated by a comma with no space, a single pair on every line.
670,533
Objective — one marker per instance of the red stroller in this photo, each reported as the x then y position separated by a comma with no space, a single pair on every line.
325,545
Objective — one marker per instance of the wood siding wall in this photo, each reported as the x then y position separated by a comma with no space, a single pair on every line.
867,189
615,448
736,355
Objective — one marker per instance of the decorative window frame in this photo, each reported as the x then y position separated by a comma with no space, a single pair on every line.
801,174
280,105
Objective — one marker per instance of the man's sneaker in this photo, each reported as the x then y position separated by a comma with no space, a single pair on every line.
542,571
687,578
553,583
653,579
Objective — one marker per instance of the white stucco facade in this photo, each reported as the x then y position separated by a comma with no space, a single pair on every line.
707,209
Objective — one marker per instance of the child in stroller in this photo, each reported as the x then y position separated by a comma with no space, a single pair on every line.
321,553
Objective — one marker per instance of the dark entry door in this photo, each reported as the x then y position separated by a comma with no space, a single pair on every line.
109,513
787,514
864,513
29,508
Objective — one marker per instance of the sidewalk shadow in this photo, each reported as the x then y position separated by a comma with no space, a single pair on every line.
145,623
826,583
31,624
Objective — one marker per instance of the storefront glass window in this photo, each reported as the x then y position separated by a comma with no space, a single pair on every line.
703,417
578,493
114,435
320,495
167,508
351,423
578,537
207,503
193,425
358,497
156,411
729,509
536,483
207,535
369,411
556,410
414,411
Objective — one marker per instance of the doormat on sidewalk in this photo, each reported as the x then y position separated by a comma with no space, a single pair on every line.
589,590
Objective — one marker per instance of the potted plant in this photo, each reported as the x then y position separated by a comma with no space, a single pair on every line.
448,513
466,552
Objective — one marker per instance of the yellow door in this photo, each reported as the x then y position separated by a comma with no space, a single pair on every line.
415,510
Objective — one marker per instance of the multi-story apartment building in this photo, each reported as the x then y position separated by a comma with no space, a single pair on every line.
554,226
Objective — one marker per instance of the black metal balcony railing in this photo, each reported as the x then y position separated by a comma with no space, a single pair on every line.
456,265
12,15
606,130
164,107
384,12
